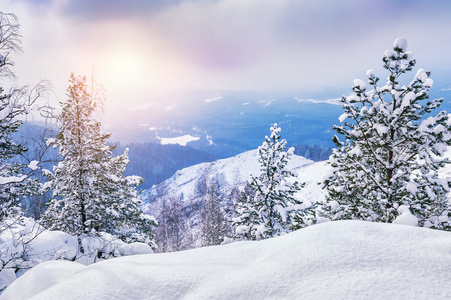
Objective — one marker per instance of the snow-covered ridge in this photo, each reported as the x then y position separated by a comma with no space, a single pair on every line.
234,170
335,260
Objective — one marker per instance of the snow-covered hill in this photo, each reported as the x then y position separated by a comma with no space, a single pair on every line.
229,172
335,260
236,170
233,172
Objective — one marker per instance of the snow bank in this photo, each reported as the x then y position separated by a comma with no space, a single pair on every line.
25,245
334,260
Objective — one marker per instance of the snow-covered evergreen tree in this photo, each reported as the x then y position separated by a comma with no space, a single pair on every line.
13,181
269,207
173,232
393,148
214,225
90,193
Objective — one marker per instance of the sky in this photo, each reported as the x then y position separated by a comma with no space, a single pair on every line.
141,50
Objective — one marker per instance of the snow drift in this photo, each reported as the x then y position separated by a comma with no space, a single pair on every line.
23,245
335,260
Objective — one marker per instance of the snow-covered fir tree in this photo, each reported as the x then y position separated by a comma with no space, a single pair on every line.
214,224
268,207
90,192
393,148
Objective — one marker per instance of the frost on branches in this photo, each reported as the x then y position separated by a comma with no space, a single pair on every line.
90,193
14,182
392,151
268,208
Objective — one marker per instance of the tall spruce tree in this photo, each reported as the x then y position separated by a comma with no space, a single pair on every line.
90,192
393,148
268,208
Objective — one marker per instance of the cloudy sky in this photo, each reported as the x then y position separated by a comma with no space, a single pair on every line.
143,49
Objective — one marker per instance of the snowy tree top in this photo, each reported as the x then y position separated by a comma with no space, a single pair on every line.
400,44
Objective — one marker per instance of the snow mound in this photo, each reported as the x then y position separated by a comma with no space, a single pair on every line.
24,245
405,217
334,260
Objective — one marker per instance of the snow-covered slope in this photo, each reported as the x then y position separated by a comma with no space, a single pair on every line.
230,171
236,170
335,260
26,244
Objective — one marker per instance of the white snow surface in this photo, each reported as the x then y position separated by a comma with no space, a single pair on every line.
12,179
180,140
405,217
334,260
28,244
33,165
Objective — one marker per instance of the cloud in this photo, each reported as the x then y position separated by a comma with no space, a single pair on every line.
298,46
100,10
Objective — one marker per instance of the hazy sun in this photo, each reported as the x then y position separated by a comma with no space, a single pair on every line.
127,68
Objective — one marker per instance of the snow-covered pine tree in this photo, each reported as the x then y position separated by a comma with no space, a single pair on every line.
214,224
393,150
90,193
14,183
269,207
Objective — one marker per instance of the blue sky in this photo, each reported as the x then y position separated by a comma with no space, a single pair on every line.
144,49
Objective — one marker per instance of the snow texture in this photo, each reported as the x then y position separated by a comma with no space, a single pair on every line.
333,260
405,217
25,245
401,44
11,179
180,140
33,165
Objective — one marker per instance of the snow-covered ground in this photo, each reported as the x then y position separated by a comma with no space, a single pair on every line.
334,260
25,245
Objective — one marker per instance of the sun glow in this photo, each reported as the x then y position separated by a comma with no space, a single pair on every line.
125,69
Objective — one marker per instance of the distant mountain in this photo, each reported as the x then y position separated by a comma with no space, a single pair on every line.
225,124
156,163
230,172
